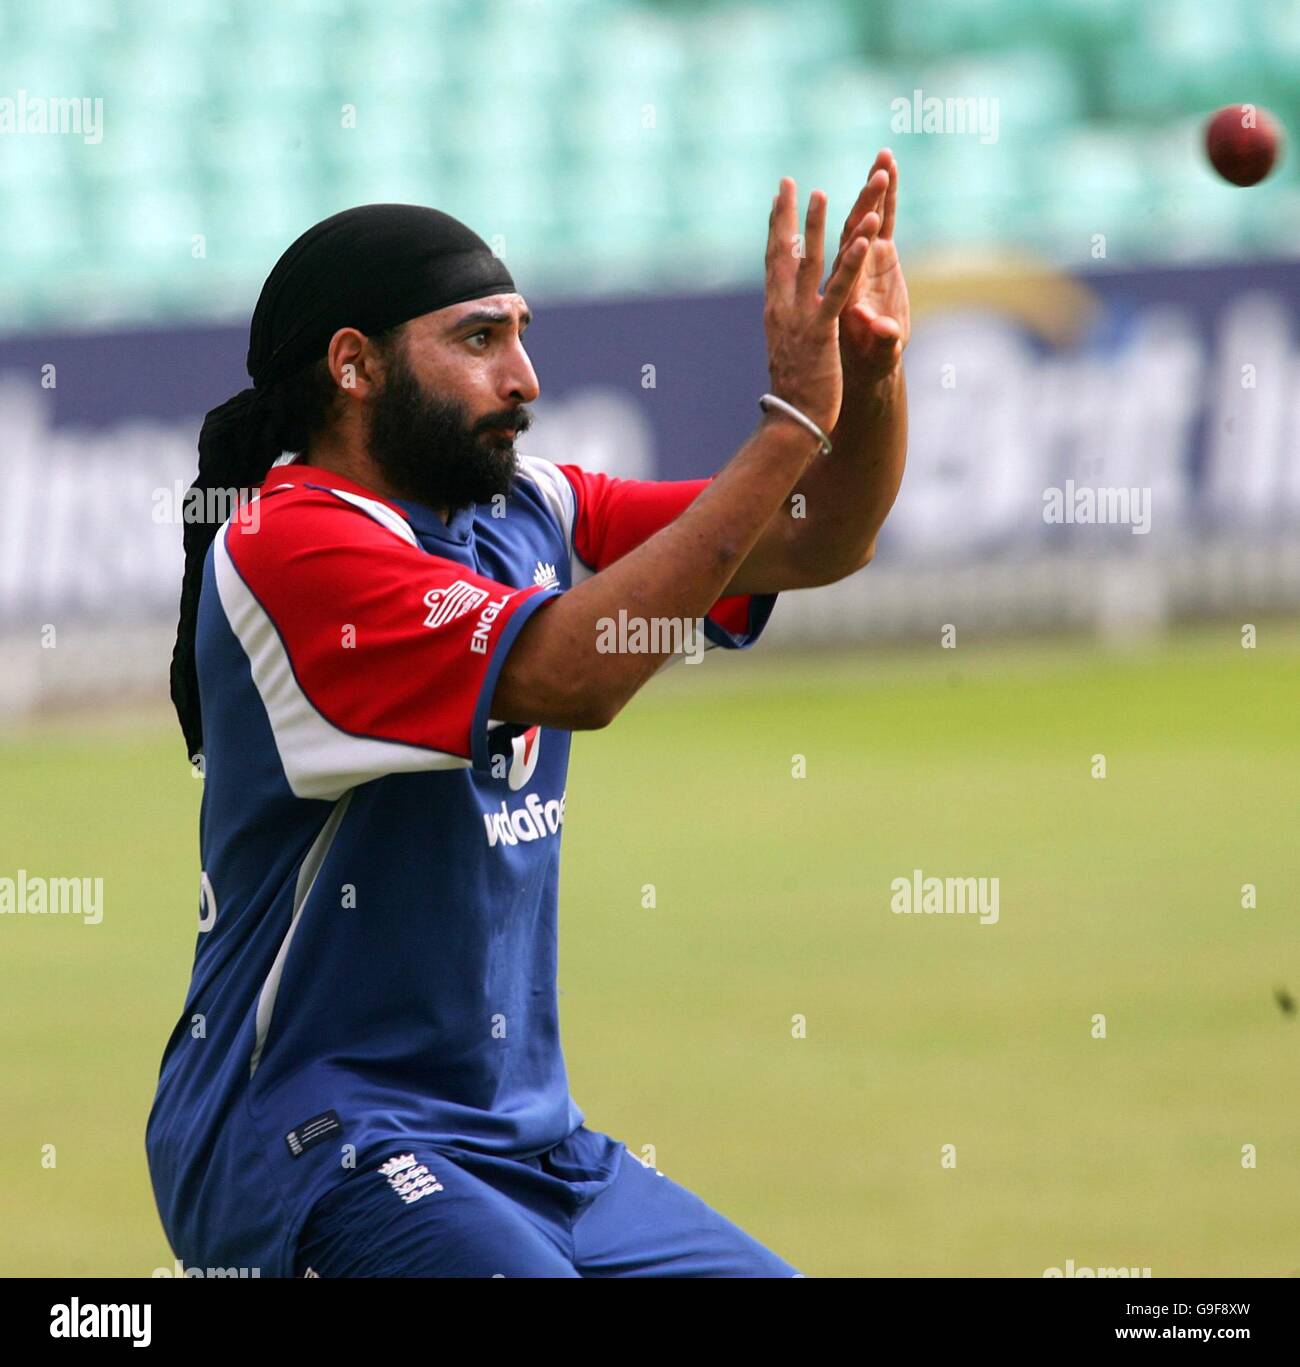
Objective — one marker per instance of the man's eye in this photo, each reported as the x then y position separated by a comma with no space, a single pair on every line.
482,332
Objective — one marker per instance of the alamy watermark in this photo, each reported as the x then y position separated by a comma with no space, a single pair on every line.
35,896
651,636
179,1269
1070,1270
182,503
923,113
74,115
1085,506
946,896
77,1319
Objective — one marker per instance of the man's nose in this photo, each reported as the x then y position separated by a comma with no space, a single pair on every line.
520,379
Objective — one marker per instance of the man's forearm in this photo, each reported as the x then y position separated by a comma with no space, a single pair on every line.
828,526
847,494
555,672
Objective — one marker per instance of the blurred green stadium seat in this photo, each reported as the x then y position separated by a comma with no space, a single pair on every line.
617,143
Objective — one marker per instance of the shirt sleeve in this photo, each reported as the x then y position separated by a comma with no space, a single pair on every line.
371,655
613,516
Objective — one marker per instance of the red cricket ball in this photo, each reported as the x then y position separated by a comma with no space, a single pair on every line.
1242,142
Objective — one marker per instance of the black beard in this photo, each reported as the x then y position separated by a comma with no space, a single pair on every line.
431,453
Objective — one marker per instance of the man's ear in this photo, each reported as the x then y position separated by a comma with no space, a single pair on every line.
353,363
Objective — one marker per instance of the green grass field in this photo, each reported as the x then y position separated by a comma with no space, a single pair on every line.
1118,896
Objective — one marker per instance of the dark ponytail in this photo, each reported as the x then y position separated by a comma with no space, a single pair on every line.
236,449
239,443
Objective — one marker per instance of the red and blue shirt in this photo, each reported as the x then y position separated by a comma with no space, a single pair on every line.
376,957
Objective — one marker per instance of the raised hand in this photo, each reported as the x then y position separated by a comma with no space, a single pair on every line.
876,325
803,324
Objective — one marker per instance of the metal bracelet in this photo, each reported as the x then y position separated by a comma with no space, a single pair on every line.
769,401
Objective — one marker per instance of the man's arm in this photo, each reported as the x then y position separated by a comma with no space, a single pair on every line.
554,673
828,526
828,529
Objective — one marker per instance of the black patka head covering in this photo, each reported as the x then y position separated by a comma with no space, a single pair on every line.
369,268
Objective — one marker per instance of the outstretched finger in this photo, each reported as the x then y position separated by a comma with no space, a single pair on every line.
891,200
869,197
782,267
868,226
814,254
866,230
839,288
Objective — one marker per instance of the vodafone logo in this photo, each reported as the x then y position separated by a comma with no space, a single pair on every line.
524,760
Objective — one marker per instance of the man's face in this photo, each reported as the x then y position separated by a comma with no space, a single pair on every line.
444,422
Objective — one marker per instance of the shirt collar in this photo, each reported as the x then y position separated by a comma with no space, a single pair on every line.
423,520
